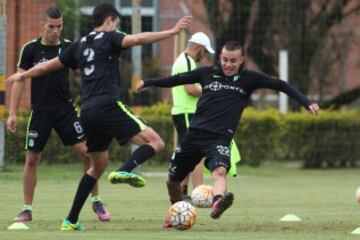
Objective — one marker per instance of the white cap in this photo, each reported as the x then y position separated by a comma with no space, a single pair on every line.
201,39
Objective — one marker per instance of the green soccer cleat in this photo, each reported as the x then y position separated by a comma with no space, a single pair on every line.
125,177
68,226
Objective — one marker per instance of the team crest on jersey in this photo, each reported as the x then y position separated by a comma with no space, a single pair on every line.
31,142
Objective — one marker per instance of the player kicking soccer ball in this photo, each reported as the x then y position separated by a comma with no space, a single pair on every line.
226,92
103,115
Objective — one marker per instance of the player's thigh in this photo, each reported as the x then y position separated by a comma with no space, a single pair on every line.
96,139
38,131
184,159
148,135
68,126
217,154
121,123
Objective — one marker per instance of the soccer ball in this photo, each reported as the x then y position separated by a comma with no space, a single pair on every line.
202,196
181,215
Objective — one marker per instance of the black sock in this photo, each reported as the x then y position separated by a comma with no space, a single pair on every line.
185,190
140,155
86,184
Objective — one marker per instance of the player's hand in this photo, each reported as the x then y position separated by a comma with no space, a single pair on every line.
13,78
314,108
183,23
140,86
11,123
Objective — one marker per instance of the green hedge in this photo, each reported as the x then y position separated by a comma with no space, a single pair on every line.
328,140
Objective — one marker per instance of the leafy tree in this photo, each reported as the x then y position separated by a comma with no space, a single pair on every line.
265,26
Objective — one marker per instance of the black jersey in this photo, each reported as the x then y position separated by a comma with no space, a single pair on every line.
50,90
224,98
97,56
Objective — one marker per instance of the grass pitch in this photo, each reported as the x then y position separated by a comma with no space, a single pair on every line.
323,199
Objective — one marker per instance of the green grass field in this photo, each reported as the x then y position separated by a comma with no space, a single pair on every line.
323,199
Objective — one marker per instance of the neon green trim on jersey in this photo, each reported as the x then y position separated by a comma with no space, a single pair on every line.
47,44
27,130
119,31
131,115
182,101
22,50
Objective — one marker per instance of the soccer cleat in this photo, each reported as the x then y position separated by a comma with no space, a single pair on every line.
166,223
24,216
101,211
125,177
220,205
68,226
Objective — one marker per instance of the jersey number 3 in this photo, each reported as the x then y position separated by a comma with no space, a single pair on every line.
89,53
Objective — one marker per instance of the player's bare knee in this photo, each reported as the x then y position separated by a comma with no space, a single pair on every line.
32,159
84,155
219,172
82,151
157,144
32,162
160,145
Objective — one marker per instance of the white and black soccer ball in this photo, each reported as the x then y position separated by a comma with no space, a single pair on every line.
202,196
181,215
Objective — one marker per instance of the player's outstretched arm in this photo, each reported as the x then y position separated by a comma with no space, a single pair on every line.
191,77
36,71
150,37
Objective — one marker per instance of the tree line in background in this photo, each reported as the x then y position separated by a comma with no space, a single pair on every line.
316,34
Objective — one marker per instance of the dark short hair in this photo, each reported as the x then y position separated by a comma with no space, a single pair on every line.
53,12
233,45
103,11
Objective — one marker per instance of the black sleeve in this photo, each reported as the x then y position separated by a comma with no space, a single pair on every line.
26,56
67,44
265,81
191,77
116,38
67,57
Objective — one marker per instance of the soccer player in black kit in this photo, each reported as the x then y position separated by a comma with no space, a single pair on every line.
51,108
226,91
102,114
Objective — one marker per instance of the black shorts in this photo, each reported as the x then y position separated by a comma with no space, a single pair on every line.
102,124
195,145
65,122
182,123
